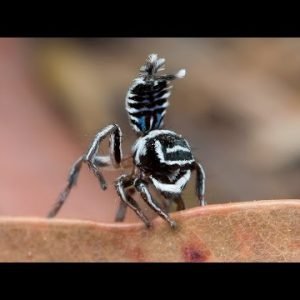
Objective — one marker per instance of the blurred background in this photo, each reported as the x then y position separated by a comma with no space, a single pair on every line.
238,106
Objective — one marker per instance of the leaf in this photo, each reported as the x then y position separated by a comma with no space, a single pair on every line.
249,231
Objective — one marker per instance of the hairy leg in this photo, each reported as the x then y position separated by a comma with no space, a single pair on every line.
121,184
93,161
142,188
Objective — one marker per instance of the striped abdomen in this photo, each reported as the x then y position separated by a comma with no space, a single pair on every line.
146,104
147,98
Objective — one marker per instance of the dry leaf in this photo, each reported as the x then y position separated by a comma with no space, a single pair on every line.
251,231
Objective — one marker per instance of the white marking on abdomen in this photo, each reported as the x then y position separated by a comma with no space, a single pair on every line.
177,148
139,145
174,188
158,150
132,110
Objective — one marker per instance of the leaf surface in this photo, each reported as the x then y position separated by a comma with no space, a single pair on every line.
235,232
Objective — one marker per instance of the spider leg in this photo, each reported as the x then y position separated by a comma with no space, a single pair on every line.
93,163
166,203
72,178
100,161
115,144
115,150
121,212
121,183
179,202
143,190
200,183
168,198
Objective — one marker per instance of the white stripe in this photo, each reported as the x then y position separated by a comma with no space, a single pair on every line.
134,110
103,159
140,148
121,191
158,150
130,101
149,197
160,62
157,132
203,178
166,95
146,100
99,135
132,118
135,128
151,122
137,81
139,145
112,142
152,58
175,188
177,148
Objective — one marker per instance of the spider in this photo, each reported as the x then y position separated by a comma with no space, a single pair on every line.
161,158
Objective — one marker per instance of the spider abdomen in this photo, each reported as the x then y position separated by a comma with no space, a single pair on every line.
146,104
147,98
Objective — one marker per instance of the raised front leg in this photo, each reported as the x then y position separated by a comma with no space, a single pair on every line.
94,162
115,141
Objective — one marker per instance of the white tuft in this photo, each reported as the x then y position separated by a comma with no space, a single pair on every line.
161,61
181,73
152,57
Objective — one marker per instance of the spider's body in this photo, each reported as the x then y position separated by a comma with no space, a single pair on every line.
161,158
166,158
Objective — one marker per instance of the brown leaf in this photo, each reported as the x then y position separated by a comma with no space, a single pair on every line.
251,231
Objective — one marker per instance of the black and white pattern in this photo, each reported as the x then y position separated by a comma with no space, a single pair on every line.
166,158
162,151
161,158
147,98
